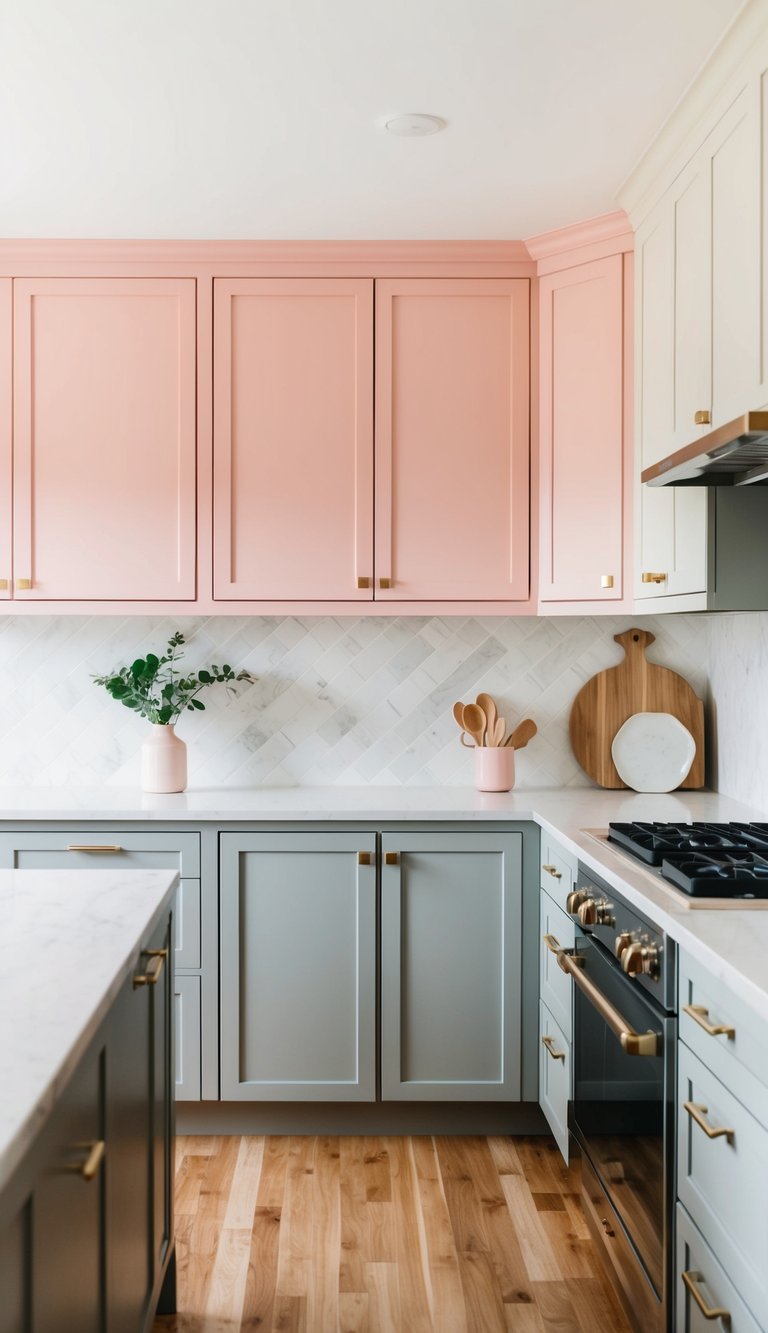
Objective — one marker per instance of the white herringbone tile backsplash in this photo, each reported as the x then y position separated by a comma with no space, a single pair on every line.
338,701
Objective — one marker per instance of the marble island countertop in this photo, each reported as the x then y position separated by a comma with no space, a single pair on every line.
69,940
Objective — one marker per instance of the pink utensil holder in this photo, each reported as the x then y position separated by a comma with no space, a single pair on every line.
494,767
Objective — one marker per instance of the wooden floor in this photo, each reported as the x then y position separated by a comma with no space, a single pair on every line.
384,1235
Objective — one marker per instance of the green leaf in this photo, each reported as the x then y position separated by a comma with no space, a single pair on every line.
153,662
197,704
137,667
205,677
165,714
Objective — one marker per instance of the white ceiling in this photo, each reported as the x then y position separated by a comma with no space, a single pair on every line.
261,118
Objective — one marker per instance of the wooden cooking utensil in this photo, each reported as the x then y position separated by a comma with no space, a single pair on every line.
475,722
522,734
488,706
498,731
458,713
634,686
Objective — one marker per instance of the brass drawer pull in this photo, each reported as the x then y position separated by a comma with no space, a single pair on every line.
552,944
363,858
152,974
691,1281
553,871
697,1113
702,418
390,858
23,585
89,1168
648,577
93,847
549,1043
700,1015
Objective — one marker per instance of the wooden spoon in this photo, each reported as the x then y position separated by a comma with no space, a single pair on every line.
488,706
521,735
458,713
498,731
475,722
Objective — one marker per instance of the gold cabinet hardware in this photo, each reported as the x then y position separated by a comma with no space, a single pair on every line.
607,1228
606,580
363,858
3,585
691,1281
390,858
700,1015
89,1168
552,944
634,1043
385,583
152,975
702,418
587,912
697,1113
549,1044
575,899
553,871
648,577
23,585
93,847
622,942
363,582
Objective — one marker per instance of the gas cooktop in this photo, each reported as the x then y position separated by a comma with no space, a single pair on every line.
702,860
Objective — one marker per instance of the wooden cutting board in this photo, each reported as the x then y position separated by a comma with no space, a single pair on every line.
634,686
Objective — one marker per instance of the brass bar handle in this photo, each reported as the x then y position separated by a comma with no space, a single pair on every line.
702,418
649,577
549,1043
691,1281
363,582
634,1043
93,847
89,1168
152,974
553,871
23,585
552,944
697,1113
700,1015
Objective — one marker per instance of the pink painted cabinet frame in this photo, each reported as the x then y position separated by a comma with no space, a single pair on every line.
6,427
452,440
104,439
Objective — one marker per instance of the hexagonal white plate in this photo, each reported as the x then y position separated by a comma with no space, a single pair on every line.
653,752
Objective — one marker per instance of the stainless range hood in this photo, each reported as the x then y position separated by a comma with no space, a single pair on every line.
732,455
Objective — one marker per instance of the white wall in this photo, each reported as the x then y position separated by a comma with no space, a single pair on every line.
338,701
737,706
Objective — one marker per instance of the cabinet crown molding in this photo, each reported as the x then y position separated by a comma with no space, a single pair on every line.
614,227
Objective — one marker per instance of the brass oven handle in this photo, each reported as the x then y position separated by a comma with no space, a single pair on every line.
89,1168
691,1280
552,944
553,871
93,847
152,974
634,1043
700,1015
549,1042
697,1113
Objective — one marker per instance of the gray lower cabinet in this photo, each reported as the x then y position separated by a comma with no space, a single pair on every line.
451,988
186,1010
706,1299
298,966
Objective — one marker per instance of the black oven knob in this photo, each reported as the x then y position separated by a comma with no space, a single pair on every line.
587,912
622,942
575,899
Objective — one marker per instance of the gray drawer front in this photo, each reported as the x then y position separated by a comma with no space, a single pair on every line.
186,1021
554,1077
556,987
186,925
135,851
722,1181
558,869
695,1258
738,1056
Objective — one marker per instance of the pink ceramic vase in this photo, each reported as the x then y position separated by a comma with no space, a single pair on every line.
163,761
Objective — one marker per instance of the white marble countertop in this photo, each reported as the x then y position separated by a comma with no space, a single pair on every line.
69,940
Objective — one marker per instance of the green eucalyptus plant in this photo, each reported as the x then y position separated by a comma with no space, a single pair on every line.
157,690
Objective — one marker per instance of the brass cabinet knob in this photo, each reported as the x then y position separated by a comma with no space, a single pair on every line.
363,582
363,858
606,580
23,585
391,858
587,912
702,418
385,583
3,585
574,900
648,577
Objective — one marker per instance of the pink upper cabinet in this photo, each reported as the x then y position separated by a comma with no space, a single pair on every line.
6,419
293,447
104,439
582,432
452,439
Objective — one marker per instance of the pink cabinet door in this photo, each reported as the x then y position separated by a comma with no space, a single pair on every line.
293,450
6,419
104,439
581,432
452,439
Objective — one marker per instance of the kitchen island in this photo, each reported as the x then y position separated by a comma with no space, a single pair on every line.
86,1116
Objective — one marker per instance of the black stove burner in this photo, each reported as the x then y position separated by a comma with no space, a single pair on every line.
704,860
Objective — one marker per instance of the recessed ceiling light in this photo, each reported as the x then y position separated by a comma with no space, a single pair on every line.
414,125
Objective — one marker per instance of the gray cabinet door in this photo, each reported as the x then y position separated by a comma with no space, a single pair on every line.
298,966
451,966
186,1037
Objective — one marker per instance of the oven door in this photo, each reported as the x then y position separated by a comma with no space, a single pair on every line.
622,1114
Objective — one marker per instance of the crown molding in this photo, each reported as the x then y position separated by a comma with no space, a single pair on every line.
612,227
102,250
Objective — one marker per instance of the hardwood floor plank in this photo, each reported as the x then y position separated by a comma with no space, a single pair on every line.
325,1238
540,1260
509,1266
596,1305
244,1189
410,1257
353,1312
261,1281
383,1299
482,1295
296,1226
553,1301
291,1315
226,1289
189,1181
466,1213
442,1279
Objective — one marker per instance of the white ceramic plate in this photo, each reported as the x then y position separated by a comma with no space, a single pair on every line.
653,752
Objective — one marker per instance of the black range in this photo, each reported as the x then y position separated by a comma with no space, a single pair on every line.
703,860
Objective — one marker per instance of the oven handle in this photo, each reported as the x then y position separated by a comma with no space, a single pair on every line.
634,1043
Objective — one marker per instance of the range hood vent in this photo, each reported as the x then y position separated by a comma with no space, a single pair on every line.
732,455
